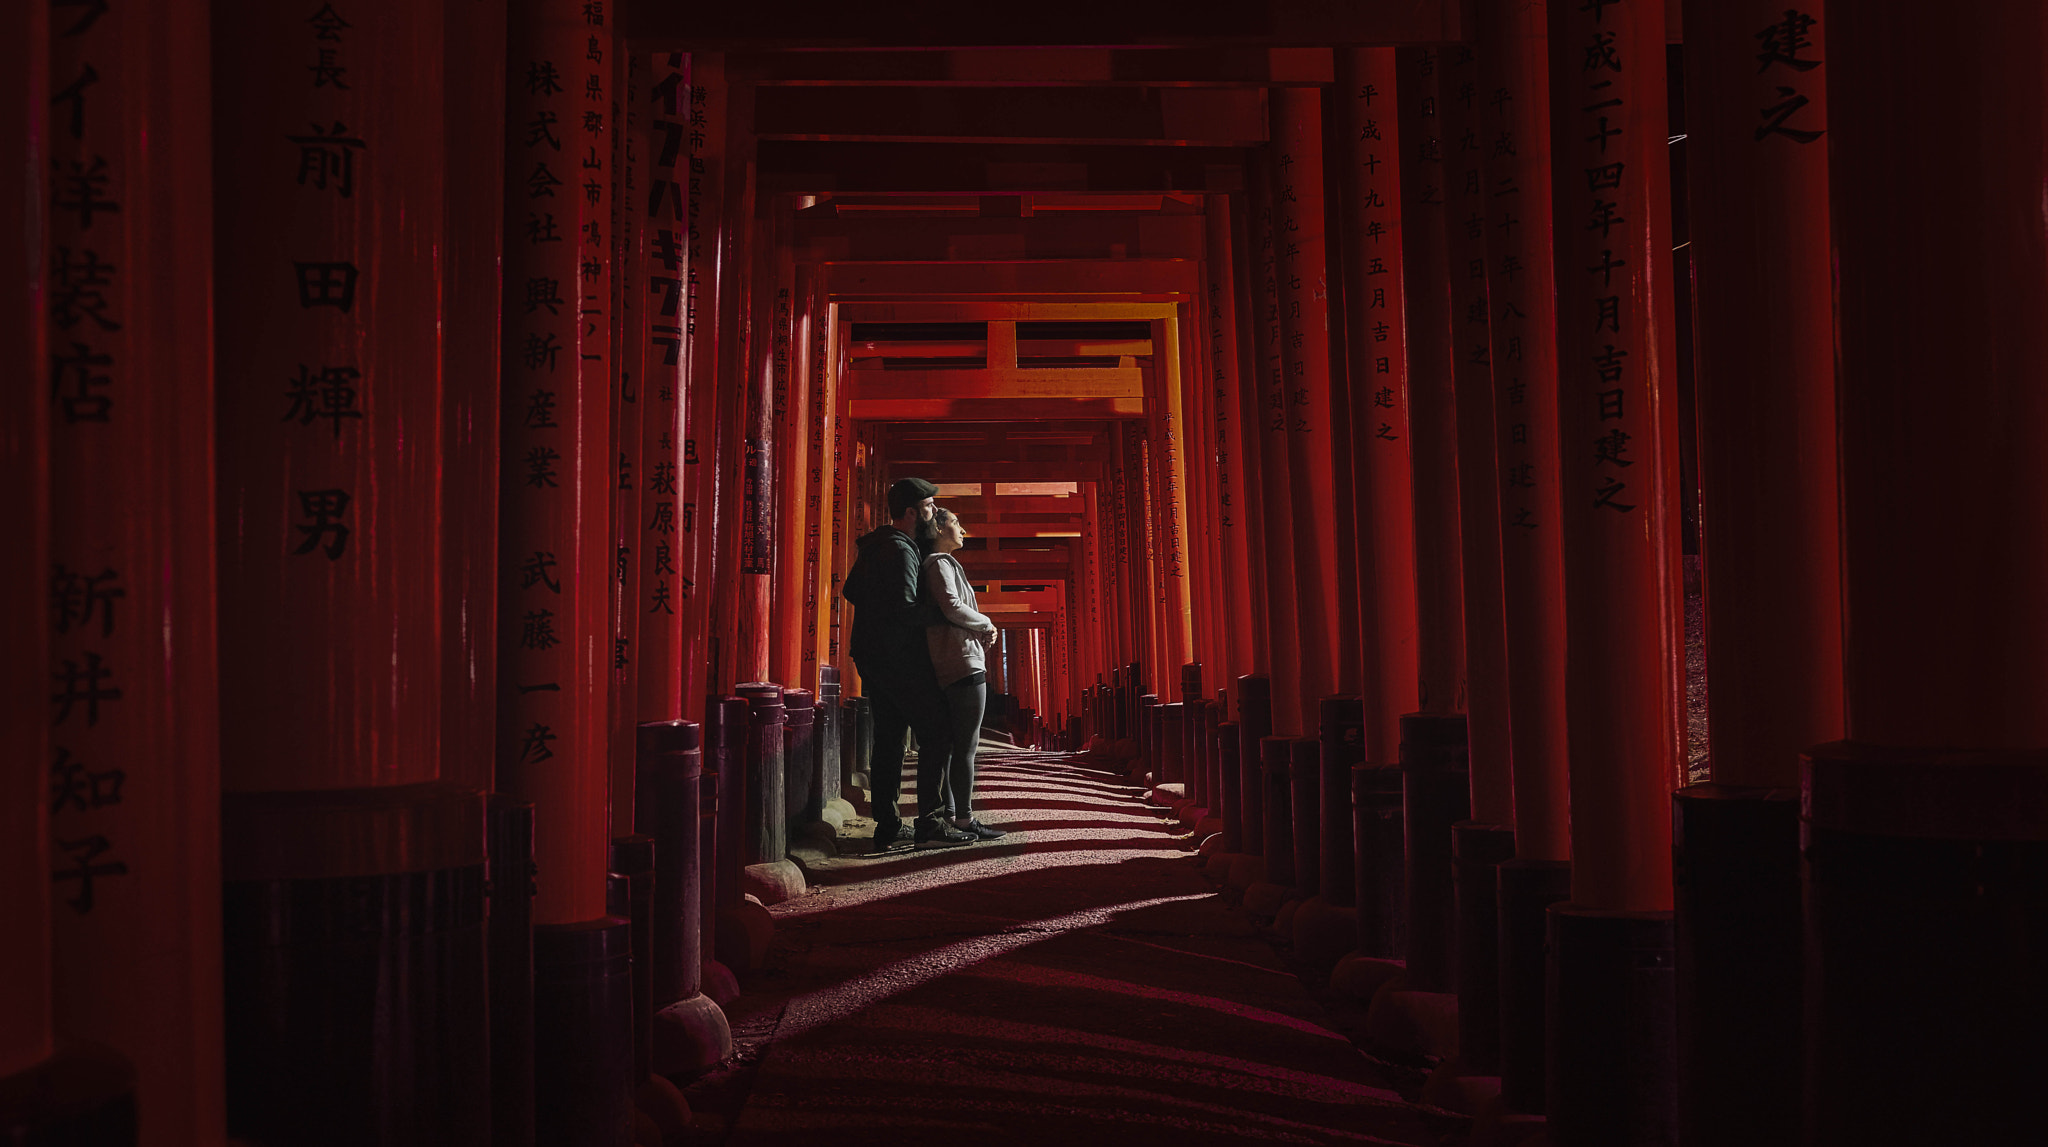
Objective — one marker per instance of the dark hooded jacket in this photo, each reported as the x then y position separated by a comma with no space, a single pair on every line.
890,611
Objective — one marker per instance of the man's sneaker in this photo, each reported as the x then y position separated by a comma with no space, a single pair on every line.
941,832
891,836
982,831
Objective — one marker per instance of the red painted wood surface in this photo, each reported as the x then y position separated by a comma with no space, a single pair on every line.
1432,399
628,466
473,95
1763,294
1313,415
1236,428
25,1020
1618,440
708,272
1943,497
1514,212
1381,436
658,273
1276,492
1488,726
130,686
555,641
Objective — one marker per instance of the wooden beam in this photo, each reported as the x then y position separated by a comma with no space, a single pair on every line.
815,167
1061,235
874,352
1126,116
1053,23
996,310
1080,382
1229,65
982,409
1154,279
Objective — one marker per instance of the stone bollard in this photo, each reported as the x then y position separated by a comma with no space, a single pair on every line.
1194,788
864,740
1230,782
1254,724
1147,773
1380,840
768,874
509,823
1209,827
743,926
1265,897
1305,814
801,756
583,1029
1169,786
1326,925
799,760
719,984
1527,890
834,808
1477,852
1436,793
629,895
1740,934
689,1032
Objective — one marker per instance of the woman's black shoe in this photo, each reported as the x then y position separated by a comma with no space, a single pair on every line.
983,832
931,831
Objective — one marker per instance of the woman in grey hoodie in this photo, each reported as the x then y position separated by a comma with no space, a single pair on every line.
957,648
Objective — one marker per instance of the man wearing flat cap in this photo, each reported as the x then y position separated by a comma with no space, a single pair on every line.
890,616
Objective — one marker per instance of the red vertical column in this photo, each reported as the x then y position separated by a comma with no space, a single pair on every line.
25,994
473,95
1488,839
1170,501
742,543
817,478
1235,464
1924,826
1618,443
1435,750
843,508
331,155
1763,297
129,864
555,646
706,269
657,275
1301,243
628,384
1432,413
792,438
1514,213
1381,460
1515,216
1276,492
1142,592
1471,353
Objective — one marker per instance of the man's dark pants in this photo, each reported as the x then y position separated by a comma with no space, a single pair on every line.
901,701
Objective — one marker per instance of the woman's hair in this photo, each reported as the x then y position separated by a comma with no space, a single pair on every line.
942,517
926,532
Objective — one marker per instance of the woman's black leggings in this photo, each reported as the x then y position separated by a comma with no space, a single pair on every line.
965,701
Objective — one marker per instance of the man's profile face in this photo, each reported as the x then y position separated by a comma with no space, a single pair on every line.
924,509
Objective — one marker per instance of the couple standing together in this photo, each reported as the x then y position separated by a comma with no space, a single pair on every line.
919,644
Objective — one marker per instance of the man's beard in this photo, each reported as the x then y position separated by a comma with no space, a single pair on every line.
926,535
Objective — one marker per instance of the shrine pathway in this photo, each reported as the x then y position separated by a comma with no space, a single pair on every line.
1077,982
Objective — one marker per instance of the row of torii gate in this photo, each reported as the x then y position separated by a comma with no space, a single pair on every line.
384,462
